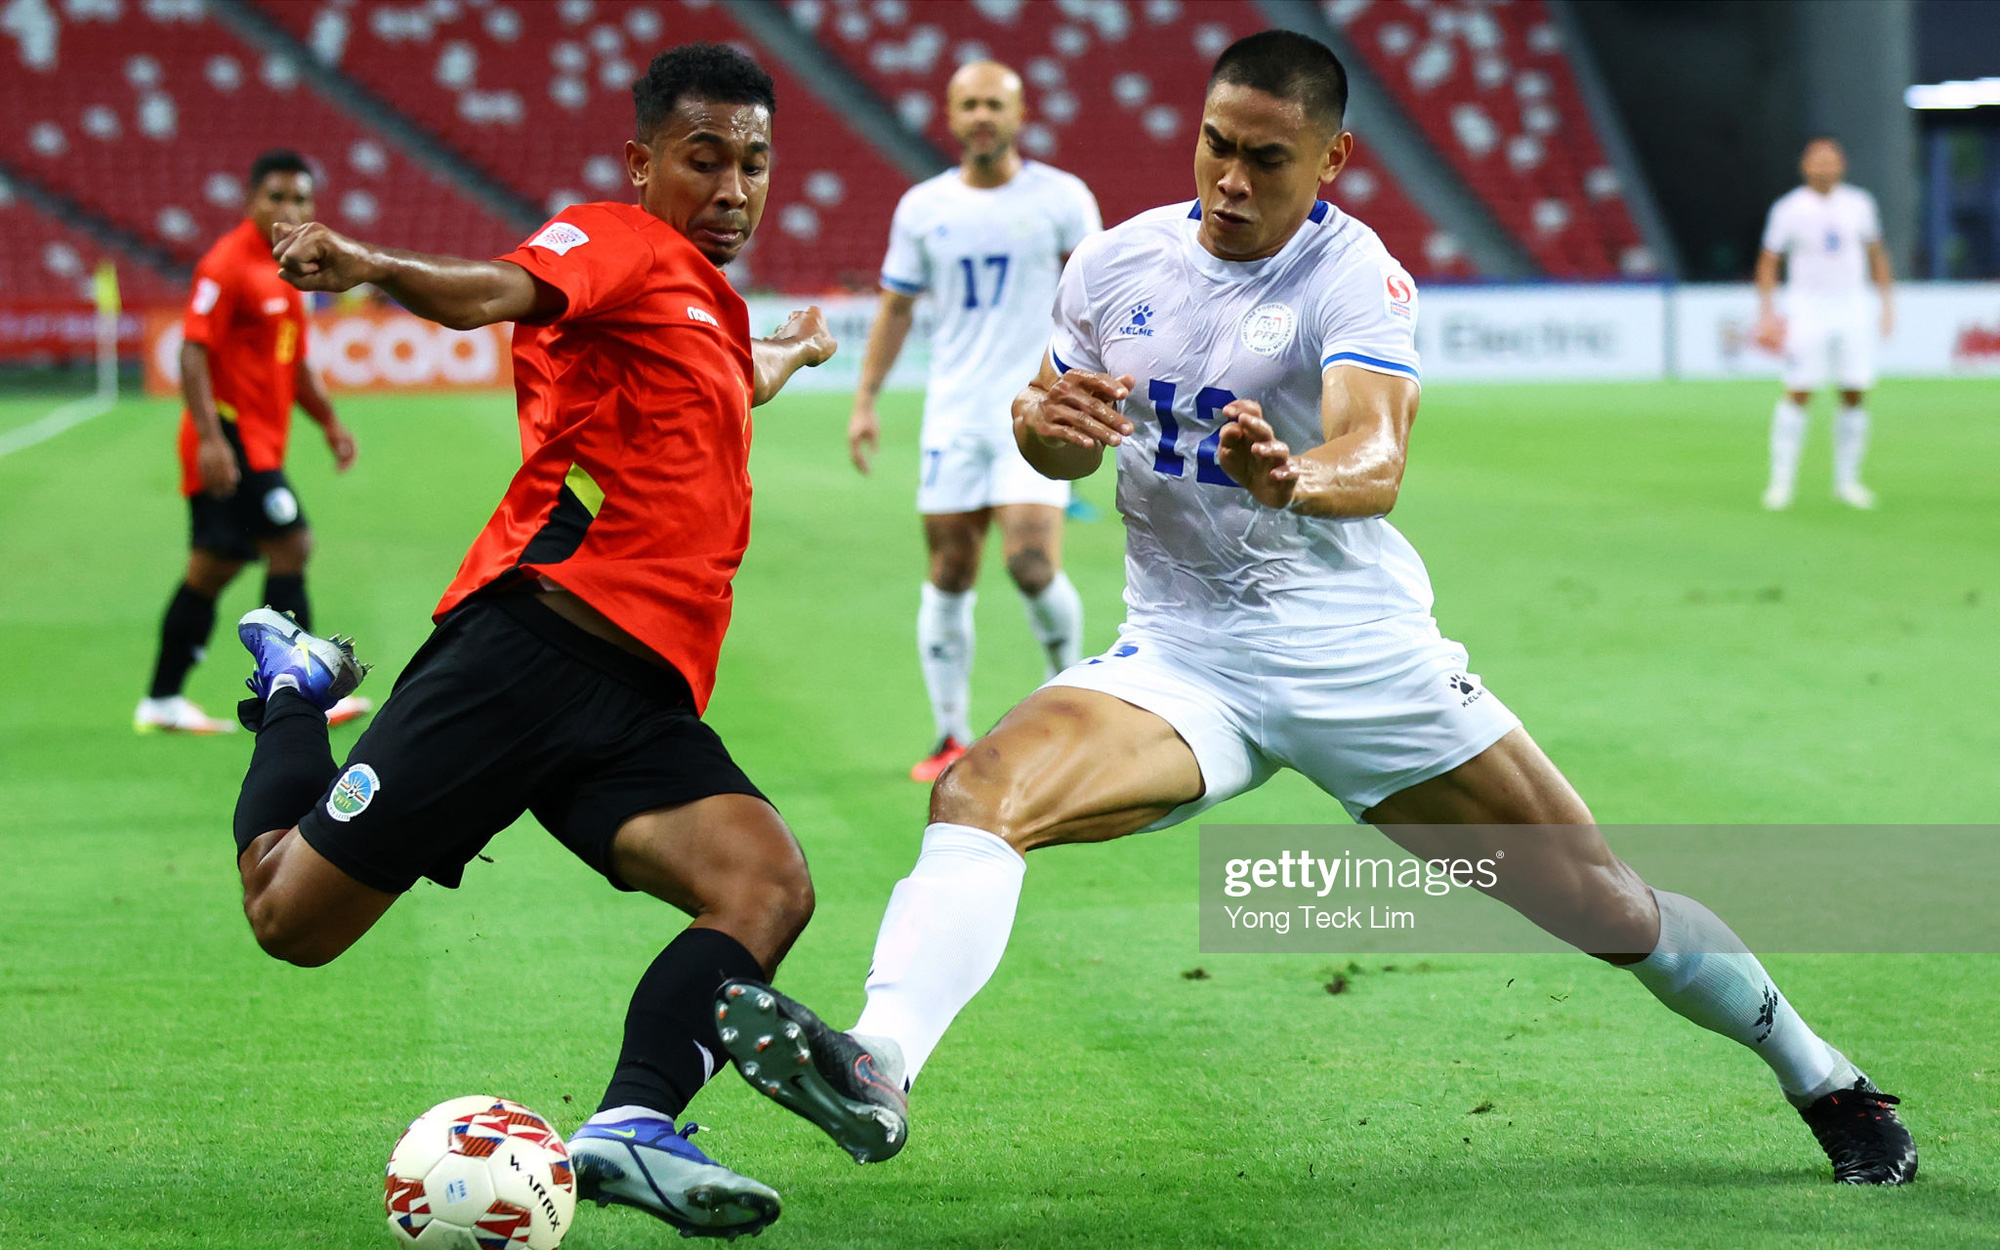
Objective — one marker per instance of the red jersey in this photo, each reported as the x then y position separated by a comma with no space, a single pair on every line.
634,487
254,324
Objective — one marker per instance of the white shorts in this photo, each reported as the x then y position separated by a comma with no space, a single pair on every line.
1834,341
1385,706
969,468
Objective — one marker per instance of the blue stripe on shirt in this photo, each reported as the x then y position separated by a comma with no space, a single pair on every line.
1060,366
900,287
1393,366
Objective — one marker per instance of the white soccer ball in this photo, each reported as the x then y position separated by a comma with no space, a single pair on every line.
480,1173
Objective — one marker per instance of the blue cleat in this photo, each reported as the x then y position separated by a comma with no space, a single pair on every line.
645,1163
323,669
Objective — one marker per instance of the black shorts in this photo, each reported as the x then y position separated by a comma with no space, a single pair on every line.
509,708
263,508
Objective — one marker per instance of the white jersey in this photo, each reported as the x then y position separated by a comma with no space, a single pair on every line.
1201,557
990,258
1824,240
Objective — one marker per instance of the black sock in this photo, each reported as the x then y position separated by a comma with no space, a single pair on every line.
184,635
290,768
287,593
672,1022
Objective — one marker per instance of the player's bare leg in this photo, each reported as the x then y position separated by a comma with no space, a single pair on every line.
1066,765
184,633
1031,540
1788,439
1850,445
1563,876
945,639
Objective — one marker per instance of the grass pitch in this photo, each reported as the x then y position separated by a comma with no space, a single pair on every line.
1682,655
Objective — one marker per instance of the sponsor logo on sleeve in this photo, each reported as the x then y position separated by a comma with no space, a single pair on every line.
1401,295
1268,328
704,316
275,305
206,292
559,237
352,794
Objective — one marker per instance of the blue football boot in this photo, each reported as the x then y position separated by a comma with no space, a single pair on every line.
643,1162
324,669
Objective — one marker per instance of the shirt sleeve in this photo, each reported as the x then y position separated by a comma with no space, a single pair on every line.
598,262
1367,317
906,269
210,304
1075,343
1871,220
1081,221
1774,229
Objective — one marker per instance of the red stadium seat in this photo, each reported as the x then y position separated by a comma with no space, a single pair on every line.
538,93
1114,93
151,112
48,260
1491,87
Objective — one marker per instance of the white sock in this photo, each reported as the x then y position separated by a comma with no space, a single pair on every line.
942,936
1850,443
1702,971
944,648
1788,438
1056,616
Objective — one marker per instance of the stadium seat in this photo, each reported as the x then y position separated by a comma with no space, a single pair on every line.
1121,118
1492,89
48,260
538,94
151,111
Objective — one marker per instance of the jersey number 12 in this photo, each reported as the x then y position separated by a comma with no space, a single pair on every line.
1167,459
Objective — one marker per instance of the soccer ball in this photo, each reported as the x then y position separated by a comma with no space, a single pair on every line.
480,1173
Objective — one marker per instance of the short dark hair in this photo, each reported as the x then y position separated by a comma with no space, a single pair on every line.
707,71
276,161
1290,66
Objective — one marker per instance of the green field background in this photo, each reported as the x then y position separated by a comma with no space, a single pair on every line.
1684,656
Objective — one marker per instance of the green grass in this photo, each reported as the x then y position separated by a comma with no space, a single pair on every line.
1682,655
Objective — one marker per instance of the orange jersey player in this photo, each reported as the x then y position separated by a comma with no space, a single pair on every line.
242,368
575,651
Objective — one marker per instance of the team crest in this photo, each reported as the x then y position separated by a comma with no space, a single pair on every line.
352,794
1268,328
559,237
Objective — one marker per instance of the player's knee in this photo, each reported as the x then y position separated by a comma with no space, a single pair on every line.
284,932
953,573
980,789
1032,570
290,553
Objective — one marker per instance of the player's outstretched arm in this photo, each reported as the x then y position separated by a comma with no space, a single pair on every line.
801,343
1063,422
461,294
1357,472
313,398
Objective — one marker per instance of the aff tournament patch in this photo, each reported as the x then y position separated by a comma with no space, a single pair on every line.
1268,328
1402,296
558,237
352,794
206,292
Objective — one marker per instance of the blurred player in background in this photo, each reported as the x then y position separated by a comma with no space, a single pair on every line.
1830,239
988,241
575,651
1276,620
243,363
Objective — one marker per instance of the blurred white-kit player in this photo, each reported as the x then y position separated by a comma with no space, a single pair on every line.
987,241
1829,237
